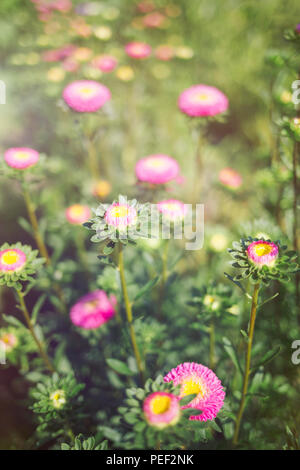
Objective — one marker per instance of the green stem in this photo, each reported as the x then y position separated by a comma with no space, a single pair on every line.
247,363
26,315
128,309
40,241
212,361
34,223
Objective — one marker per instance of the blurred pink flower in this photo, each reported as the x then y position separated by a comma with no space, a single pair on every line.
230,177
78,214
172,209
164,52
138,50
93,310
154,20
202,100
157,169
21,157
86,96
105,63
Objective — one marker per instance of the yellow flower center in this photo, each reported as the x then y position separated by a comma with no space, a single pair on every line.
201,97
77,210
21,155
6,339
191,387
86,91
262,249
10,257
160,404
155,163
119,211
58,398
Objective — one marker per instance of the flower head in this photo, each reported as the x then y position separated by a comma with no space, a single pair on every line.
21,157
93,310
230,178
202,100
262,260
262,253
157,169
86,96
58,398
197,379
78,214
8,341
12,260
105,63
102,189
154,20
120,215
138,50
172,209
164,52
17,263
161,409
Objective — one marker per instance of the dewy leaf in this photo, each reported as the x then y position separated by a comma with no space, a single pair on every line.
119,366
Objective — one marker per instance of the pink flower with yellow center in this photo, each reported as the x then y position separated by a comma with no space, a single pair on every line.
157,169
8,341
21,157
197,379
78,214
120,215
161,409
105,63
172,209
86,96
231,178
164,52
262,253
138,50
202,100
12,259
93,310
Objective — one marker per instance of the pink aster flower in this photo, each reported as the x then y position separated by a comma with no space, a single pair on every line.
161,409
262,253
154,20
164,52
105,63
12,259
21,157
230,177
157,169
120,215
197,379
137,50
86,96
93,310
78,214
172,209
202,100
8,341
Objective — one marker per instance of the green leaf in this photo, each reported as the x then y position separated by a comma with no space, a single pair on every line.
37,307
119,366
269,356
230,350
147,288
